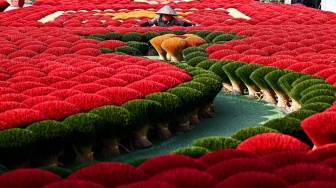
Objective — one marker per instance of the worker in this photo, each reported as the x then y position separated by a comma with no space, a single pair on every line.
166,18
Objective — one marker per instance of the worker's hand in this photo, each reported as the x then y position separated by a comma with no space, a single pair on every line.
196,25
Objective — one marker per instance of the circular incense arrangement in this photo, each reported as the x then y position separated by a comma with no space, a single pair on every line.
83,84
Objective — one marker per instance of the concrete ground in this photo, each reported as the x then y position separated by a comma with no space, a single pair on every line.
226,121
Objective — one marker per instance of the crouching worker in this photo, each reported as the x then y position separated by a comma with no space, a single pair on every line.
166,18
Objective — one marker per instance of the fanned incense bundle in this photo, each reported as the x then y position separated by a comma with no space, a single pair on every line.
174,46
157,41
194,40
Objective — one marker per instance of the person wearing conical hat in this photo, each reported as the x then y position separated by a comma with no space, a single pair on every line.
166,18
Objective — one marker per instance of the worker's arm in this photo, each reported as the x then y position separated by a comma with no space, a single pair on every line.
145,24
150,22
183,23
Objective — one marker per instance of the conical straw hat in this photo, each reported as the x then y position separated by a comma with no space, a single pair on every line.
167,10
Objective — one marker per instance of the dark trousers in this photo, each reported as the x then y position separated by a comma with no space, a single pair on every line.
311,3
